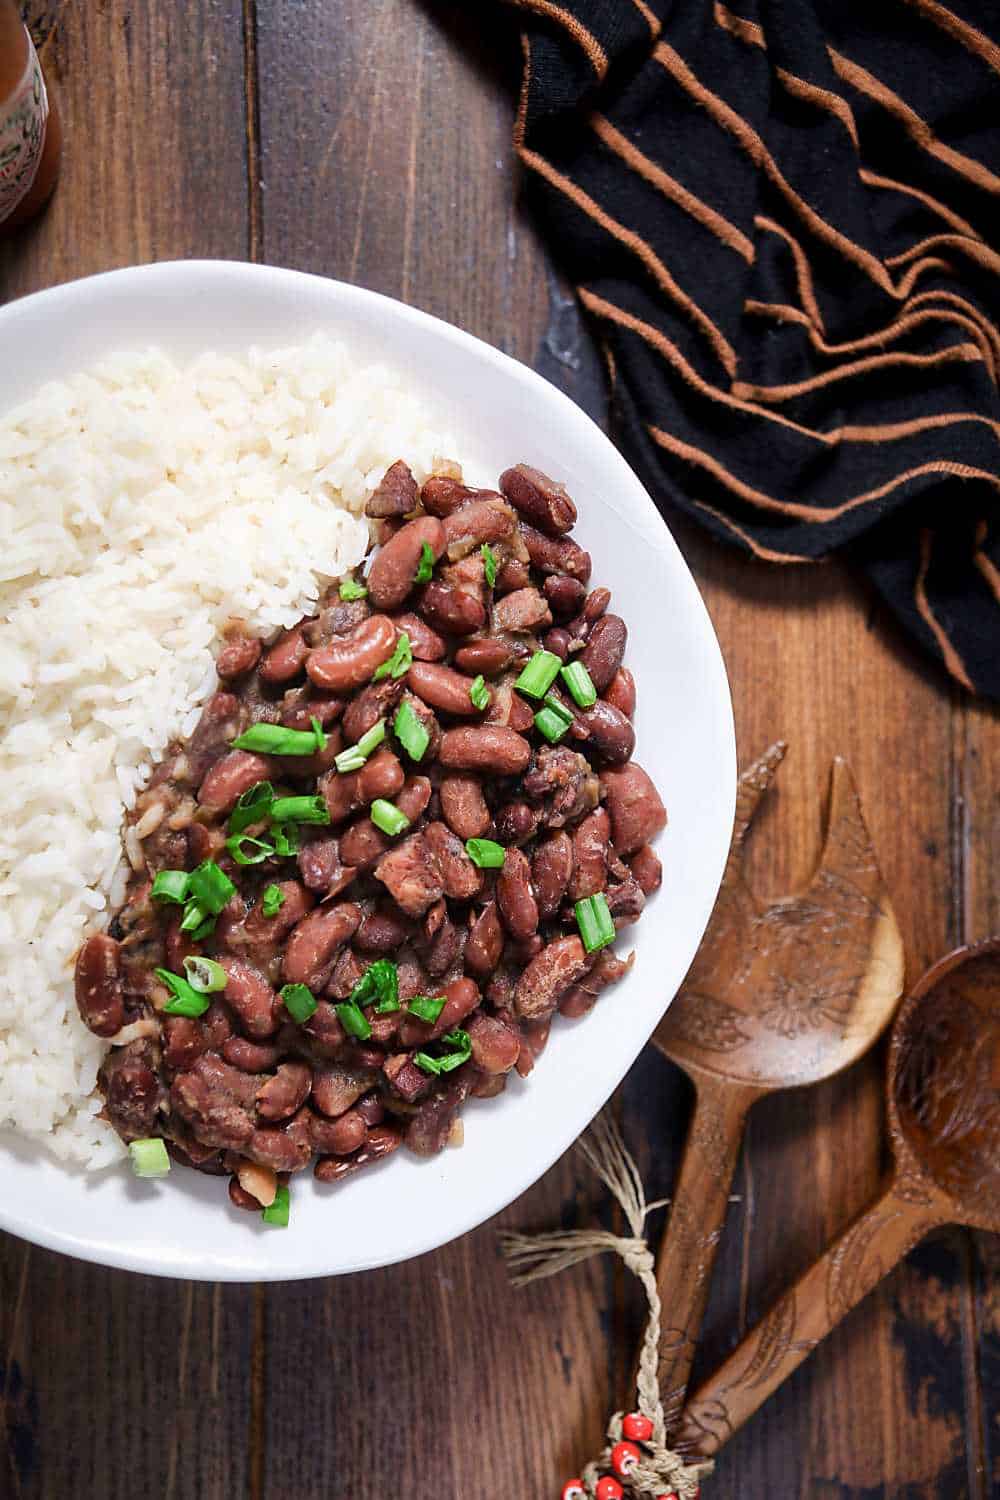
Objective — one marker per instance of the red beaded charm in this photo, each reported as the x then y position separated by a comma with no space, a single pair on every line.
573,1490
624,1457
609,1489
637,1427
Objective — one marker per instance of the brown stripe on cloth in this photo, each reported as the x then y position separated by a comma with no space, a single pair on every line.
780,218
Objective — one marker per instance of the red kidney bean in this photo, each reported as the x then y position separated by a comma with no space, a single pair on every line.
515,898
348,662
301,705
488,520
395,494
286,658
620,692
486,657
442,688
534,1040
216,1025
626,902
516,822
590,855
463,806
524,610
393,572
296,903
230,777
338,1137
99,994
323,1029
486,747
240,1198
485,943
602,655
382,1140
183,1041
488,1085
581,998
552,555
509,709
179,945
646,869
557,641
285,1092
425,643
461,998
237,657
371,1109
608,731
362,843
340,793
515,574
551,868
565,595
495,1045
249,1057
374,702
320,865
634,806
453,611
252,999
381,931
541,500
459,876
285,1148
441,495
537,991
380,776
314,942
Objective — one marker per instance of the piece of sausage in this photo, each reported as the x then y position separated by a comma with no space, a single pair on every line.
463,805
488,747
488,519
348,662
98,980
393,573
541,500
411,875
634,806
523,610
495,1045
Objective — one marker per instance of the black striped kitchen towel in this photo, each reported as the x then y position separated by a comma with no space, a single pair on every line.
783,217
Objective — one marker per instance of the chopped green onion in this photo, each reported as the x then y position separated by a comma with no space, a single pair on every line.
399,662
171,885
317,730
426,568
486,854
300,810
354,1020
286,839
489,564
211,887
197,922
272,900
354,757
274,739
461,1044
387,817
253,807
426,1007
205,975
249,851
299,1001
411,732
277,1213
351,589
149,1158
184,998
593,918
382,979
479,693
539,675
580,684
551,723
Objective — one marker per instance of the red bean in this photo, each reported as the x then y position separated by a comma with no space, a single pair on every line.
393,572
374,702
634,806
459,876
485,943
607,731
296,902
381,931
237,657
425,643
558,642
590,855
647,869
249,1057
230,777
382,1140
453,611
565,595
442,688
485,657
541,500
620,692
441,495
602,655
348,662
509,709
314,942
556,555
461,997
286,658
516,822
183,1041
515,897
99,993
250,996
285,1092
561,964
395,494
463,805
341,1136
487,747
495,1045
551,868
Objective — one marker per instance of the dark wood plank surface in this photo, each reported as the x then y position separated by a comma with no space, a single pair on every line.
372,142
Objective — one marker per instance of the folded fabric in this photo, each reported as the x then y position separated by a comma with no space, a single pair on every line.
782,218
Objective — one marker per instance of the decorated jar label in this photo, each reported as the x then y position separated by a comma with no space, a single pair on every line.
23,119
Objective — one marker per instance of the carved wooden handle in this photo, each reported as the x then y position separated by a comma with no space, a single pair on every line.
854,1264
694,1228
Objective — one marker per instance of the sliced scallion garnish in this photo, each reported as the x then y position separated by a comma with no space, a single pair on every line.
184,998
172,886
486,853
552,721
459,1044
594,920
272,900
286,840
426,1007
580,684
539,675
211,887
479,693
388,817
353,1020
411,732
196,922
275,739
381,979
277,1212
354,757
399,662
205,975
253,807
149,1158
249,851
351,589
426,568
489,564
298,1000
300,810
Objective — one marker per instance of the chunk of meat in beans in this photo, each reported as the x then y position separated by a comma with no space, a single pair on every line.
258,1086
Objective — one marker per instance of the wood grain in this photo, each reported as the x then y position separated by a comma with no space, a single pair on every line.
372,142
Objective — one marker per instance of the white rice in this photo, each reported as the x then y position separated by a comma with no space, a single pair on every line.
141,507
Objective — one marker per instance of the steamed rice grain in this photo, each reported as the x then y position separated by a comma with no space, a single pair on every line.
142,506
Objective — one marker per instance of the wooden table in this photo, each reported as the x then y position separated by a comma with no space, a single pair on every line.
372,141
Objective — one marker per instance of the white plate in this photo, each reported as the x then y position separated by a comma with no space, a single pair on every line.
506,414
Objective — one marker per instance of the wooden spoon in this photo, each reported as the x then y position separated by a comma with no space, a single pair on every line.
778,996
943,1096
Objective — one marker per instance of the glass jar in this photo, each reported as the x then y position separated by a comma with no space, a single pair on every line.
30,133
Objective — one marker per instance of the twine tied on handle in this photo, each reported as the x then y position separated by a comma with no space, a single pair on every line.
659,1471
